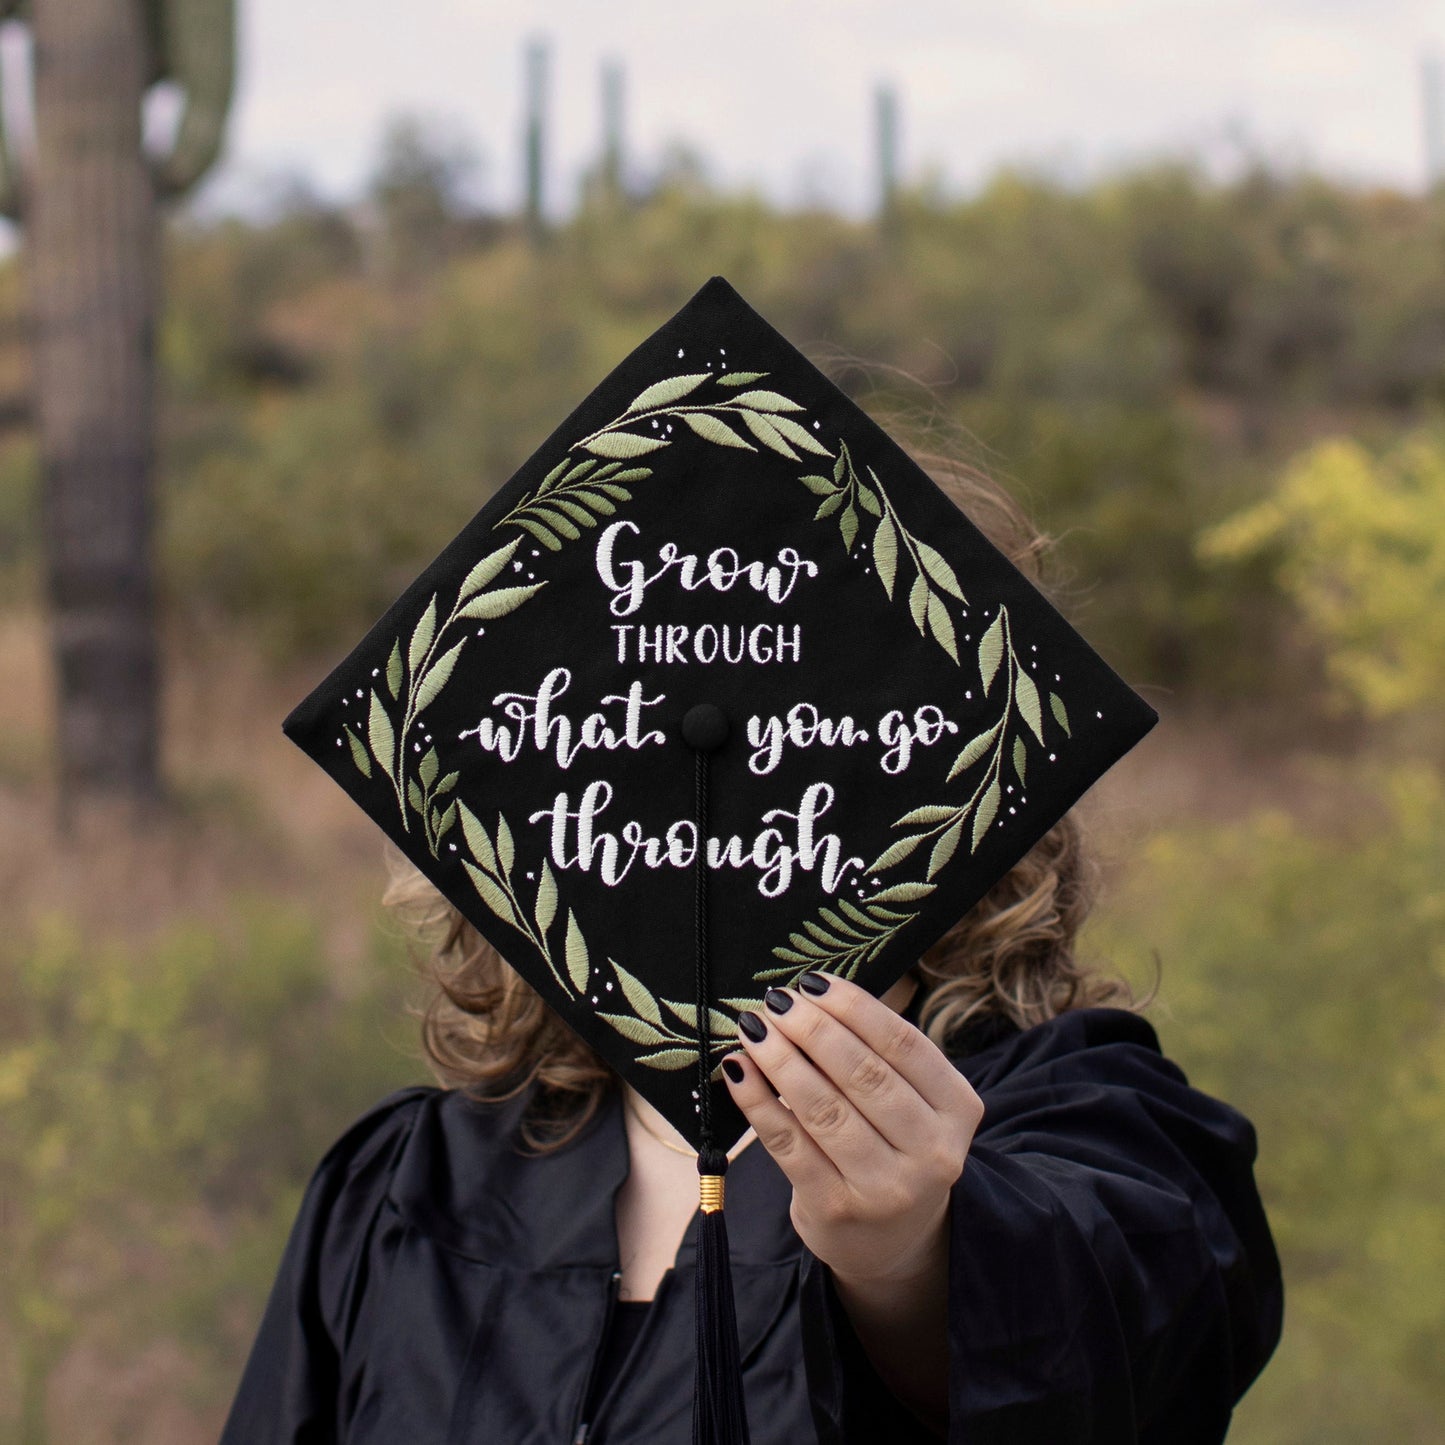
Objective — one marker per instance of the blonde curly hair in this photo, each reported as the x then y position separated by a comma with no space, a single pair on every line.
485,1030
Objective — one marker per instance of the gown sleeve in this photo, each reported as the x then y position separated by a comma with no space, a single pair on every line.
288,1389
1112,1278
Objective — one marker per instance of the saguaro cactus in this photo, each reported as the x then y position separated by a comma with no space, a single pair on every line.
87,200
534,138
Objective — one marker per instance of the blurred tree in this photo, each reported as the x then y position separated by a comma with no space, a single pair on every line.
1359,546
87,199
419,192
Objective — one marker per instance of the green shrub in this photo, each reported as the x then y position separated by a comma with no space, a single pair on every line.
1304,982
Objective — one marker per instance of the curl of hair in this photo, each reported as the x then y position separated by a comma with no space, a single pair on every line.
486,1031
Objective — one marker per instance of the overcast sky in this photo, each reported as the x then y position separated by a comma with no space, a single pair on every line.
777,93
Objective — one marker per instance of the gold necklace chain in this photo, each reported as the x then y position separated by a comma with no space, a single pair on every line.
677,1148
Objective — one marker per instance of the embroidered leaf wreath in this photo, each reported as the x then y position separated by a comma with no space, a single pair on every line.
590,483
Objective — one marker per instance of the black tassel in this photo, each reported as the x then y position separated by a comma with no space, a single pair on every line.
719,1415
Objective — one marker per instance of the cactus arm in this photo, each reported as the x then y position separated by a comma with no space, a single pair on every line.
11,183
197,46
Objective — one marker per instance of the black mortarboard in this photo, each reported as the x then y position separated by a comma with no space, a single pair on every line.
718,599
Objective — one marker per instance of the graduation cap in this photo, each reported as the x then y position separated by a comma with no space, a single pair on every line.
719,688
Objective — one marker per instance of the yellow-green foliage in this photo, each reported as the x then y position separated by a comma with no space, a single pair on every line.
1359,544
1304,982
1134,358
162,1108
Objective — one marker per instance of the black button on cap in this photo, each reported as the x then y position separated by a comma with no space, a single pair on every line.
705,727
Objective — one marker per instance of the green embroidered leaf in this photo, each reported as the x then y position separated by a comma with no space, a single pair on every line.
829,506
576,952
662,392
839,924
477,838
790,956
623,444
488,569
918,596
637,994
605,470
822,936
740,378
554,474
500,601
580,470
820,486
545,909
717,1023
800,437
597,502
1028,700
987,809
1056,706
506,854
806,945
848,526
929,813
840,466
941,625
1021,754
421,638
889,915
413,795
741,1003
445,822
857,915
975,749
393,671
767,401
358,753
436,677
539,532
869,498
896,852
768,434
491,895
940,571
903,893
381,738
577,512
885,554
559,522
633,474
669,1059
944,848
711,429
633,1028
446,784
428,768
990,651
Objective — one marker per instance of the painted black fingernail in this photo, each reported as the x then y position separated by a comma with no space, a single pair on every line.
753,1026
813,983
733,1070
778,1001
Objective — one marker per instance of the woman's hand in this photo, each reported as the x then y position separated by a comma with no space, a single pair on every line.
873,1136
875,1131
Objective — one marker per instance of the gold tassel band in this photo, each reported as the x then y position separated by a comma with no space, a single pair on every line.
710,1187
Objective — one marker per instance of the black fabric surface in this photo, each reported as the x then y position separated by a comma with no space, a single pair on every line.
620,1335
1112,1278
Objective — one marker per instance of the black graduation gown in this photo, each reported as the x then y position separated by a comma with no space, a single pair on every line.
1111,1279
